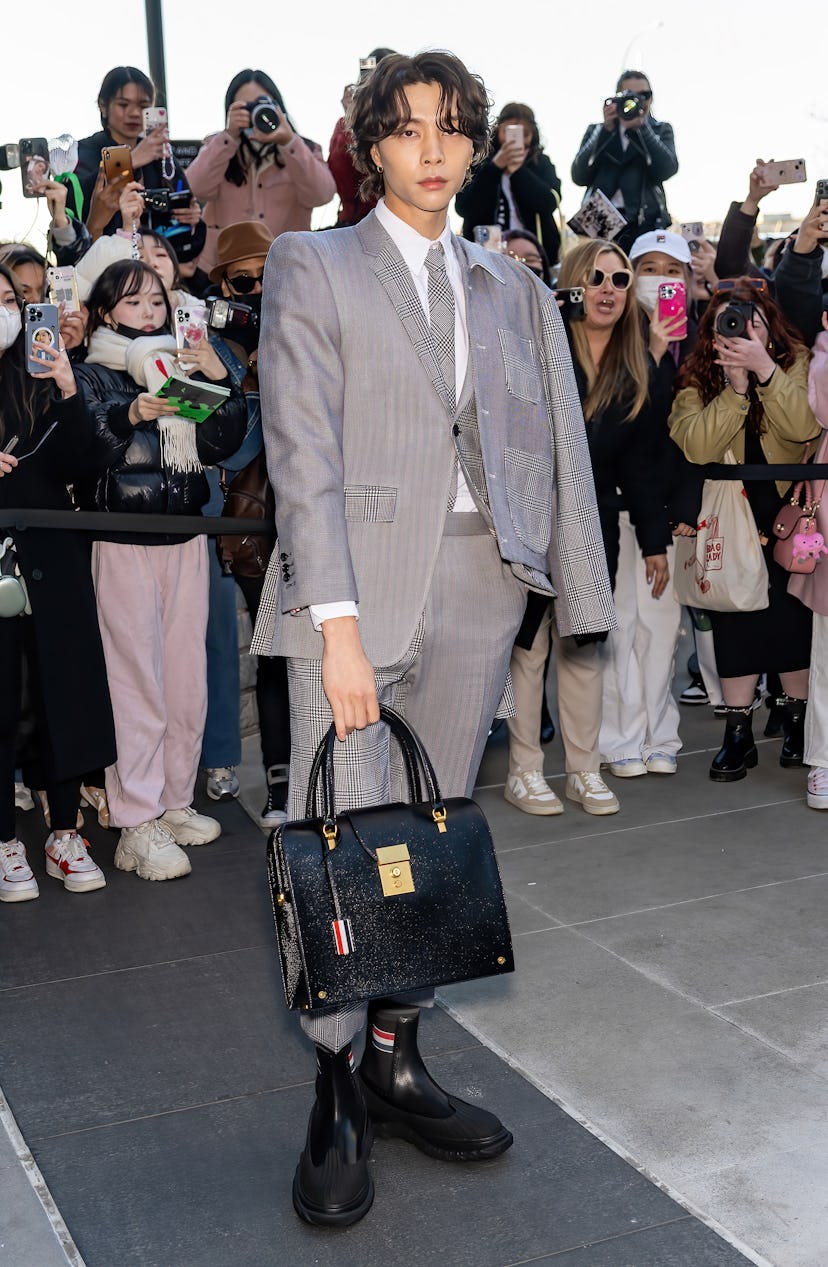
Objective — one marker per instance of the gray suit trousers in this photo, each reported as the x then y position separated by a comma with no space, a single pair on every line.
447,685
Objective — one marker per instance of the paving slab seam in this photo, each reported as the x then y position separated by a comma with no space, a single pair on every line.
667,822
764,1041
138,967
771,994
594,1129
604,1240
38,1184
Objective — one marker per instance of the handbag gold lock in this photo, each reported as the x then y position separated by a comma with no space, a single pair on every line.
394,862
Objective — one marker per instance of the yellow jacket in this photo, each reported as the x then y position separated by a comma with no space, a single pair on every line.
705,433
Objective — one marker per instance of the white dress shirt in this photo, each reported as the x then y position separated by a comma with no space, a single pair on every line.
414,248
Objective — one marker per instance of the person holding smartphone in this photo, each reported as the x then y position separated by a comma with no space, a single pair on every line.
518,187
152,590
267,173
46,440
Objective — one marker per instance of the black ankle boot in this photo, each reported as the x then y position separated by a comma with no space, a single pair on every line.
775,725
793,746
738,752
405,1101
547,727
332,1186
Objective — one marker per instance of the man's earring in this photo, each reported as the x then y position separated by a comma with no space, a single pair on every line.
379,169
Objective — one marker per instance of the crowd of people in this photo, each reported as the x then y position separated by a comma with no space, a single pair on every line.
152,639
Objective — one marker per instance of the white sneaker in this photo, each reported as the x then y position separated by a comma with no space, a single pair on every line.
17,883
591,793
818,787
188,827
67,860
150,849
530,792
222,783
661,763
626,768
22,797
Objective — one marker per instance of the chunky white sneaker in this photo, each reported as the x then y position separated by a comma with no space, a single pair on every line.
96,798
188,827
591,793
17,883
661,763
222,783
67,860
818,787
626,768
150,849
22,797
530,792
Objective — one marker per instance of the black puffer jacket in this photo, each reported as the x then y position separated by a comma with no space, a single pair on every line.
132,477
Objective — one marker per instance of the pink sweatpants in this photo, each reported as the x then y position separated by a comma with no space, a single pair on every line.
152,610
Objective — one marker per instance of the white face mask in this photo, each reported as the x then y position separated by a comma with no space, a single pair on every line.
10,326
646,290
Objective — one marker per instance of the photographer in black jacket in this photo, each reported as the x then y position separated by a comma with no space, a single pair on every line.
517,187
628,157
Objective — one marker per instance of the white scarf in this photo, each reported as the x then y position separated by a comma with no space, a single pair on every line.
149,362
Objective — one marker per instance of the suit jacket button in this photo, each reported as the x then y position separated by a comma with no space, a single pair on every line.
37,575
455,431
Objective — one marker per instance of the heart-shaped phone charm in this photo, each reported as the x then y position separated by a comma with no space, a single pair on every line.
63,154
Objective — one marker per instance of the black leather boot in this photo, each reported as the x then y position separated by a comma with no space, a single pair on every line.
405,1101
793,746
738,752
332,1186
775,725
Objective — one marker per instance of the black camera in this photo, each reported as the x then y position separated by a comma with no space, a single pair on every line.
732,322
572,308
628,105
166,201
228,316
263,115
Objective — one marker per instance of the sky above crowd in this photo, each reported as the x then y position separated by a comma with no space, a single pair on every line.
737,82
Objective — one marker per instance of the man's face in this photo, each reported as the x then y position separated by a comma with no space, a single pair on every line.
243,278
423,167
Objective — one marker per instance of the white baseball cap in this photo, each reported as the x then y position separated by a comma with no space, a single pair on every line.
661,240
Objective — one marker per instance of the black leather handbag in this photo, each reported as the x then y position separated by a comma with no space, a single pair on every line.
379,901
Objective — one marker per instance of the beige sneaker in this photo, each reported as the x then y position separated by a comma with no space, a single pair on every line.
190,828
591,793
530,792
95,797
150,849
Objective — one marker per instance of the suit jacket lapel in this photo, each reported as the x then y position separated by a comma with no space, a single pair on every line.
392,272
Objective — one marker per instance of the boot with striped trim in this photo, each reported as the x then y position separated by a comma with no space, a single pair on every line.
404,1100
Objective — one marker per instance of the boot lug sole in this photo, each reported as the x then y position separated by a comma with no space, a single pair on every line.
485,1152
318,1217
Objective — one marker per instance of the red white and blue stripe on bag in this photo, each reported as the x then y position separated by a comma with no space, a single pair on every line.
343,937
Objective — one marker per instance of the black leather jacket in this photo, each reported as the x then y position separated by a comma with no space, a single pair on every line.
131,476
638,171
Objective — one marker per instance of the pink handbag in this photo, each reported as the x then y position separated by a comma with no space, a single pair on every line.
800,546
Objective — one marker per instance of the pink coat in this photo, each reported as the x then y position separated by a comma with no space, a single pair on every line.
282,197
812,590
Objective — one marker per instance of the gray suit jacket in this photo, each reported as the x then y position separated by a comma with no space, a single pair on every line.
360,447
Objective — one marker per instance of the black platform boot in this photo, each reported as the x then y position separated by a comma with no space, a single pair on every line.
332,1186
738,752
405,1101
793,746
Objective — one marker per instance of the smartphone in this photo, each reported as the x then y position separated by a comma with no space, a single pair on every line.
672,303
9,157
34,164
572,308
514,132
154,117
63,288
489,236
190,327
117,162
791,171
821,190
366,65
693,231
41,331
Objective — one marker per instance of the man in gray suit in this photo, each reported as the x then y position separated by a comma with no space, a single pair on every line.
427,452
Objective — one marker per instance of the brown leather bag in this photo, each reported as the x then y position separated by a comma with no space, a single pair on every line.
248,496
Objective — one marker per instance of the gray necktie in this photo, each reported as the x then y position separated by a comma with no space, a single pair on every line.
441,317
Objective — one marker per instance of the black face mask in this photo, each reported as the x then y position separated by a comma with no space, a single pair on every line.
129,333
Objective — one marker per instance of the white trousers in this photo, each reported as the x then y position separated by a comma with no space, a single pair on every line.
816,717
640,715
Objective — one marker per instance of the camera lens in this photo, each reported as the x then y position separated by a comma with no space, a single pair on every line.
732,322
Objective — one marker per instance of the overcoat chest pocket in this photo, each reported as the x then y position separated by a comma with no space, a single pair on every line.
370,503
522,378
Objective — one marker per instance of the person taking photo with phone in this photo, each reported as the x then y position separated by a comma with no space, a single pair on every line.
258,167
46,439
152,588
